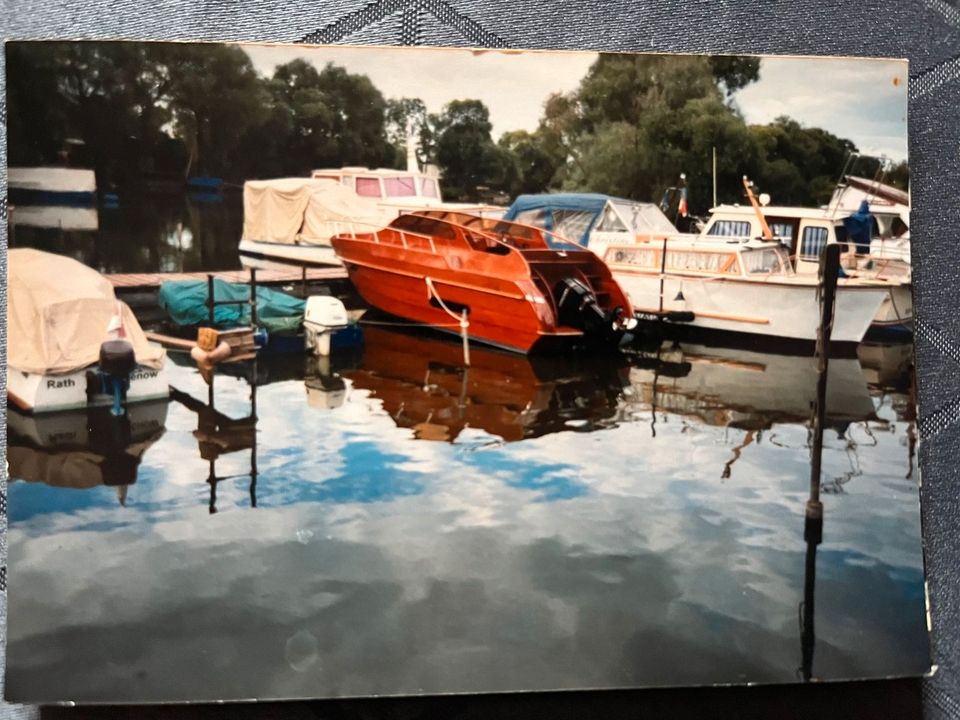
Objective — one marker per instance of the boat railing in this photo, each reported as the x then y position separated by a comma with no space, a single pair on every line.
380,234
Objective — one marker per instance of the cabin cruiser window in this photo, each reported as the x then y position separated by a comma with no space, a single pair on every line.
898,228
813,240
730,228
401,186
639,256
610,221
535,217
428,188
700,261
368,187
572,224
782,232
644,218
326,177
765,261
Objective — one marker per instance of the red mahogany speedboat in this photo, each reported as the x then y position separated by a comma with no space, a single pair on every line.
521,288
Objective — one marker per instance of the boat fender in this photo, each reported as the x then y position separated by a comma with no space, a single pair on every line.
211,357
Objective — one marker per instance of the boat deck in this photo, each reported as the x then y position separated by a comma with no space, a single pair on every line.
128,281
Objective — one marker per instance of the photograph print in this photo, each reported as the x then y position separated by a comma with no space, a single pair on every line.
340,372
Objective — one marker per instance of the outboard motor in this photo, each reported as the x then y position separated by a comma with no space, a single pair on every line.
323,316
578,307
117,363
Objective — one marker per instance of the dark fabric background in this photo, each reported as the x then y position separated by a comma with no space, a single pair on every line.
925,31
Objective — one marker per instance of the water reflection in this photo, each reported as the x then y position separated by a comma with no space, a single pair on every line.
423,385
83,449
391,522
156,233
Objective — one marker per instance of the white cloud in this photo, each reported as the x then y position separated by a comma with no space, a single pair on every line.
864,100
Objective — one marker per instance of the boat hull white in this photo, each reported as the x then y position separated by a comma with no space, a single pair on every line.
36,393
775,308
896,310
264,255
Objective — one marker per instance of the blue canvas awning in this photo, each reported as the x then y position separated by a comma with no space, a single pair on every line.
592,203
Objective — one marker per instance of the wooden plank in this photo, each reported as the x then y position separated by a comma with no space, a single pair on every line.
170,341
264,277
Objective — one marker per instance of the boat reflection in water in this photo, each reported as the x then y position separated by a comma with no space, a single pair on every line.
523,523
423,385
749,390
83,449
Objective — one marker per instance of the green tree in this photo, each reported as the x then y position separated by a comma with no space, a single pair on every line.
101,101
529,165
734,72
636,122
466,153
802,164
408,116
320,118
899,176
216,96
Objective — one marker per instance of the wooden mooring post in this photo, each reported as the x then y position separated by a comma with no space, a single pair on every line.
813,515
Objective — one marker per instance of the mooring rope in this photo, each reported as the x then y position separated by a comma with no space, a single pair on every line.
464,323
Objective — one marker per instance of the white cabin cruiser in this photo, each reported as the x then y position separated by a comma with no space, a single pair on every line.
71,343
737,286
803,232
399,191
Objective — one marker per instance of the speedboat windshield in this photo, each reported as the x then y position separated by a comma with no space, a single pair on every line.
504,231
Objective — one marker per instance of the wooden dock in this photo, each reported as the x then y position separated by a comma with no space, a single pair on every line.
146,281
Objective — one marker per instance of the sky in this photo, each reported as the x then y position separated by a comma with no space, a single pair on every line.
862,100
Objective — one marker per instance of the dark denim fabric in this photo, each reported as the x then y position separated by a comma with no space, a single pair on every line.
925,31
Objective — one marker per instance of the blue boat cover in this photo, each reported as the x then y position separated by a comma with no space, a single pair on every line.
859,228
550,202
185,301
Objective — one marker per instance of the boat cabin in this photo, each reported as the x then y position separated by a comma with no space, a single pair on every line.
408,187
801,231
592,220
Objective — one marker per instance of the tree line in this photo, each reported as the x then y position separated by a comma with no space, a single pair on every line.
139,113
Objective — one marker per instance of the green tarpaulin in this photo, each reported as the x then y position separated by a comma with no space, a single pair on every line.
185,301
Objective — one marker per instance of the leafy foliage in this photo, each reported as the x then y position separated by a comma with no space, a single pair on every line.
137,112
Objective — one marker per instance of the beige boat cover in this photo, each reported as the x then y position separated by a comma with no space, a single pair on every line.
304,210
58,312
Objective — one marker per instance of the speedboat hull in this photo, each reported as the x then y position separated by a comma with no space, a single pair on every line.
503,284
497,317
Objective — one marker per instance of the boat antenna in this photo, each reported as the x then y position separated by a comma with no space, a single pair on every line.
747,185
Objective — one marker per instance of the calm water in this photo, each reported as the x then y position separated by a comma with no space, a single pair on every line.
415,527
155,233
